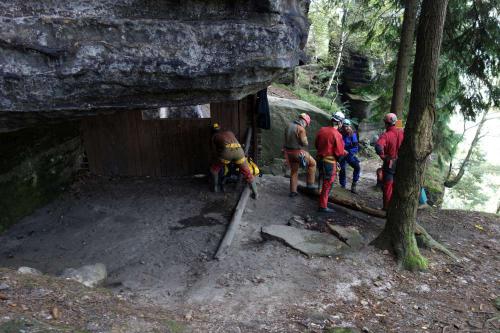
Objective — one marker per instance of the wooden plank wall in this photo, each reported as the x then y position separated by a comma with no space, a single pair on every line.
123,144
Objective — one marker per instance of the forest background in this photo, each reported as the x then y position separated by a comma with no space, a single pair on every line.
464,169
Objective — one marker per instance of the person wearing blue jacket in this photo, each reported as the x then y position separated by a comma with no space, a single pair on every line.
351,145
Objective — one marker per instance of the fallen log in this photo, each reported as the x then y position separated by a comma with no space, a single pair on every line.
422,236
351,204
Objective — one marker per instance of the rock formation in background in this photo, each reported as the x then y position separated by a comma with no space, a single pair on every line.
69,58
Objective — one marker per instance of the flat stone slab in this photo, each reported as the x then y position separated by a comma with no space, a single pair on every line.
311,243
349,235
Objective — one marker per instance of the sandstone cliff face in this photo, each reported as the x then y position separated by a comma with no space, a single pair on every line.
71,57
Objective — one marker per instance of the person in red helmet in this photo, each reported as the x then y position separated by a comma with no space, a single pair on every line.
295,153
330,147
387,147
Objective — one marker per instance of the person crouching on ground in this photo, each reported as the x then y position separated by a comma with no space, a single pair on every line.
387,147
351,145
330,147
295,153
228,150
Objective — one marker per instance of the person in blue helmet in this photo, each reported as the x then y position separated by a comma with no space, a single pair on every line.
351,146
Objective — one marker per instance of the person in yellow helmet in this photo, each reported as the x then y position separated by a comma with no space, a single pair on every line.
229,150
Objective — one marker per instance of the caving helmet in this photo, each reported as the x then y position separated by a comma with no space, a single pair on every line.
215,127
390,119
338,117
306,118
347,122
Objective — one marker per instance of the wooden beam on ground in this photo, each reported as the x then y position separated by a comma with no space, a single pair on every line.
238,212
234,224
351,204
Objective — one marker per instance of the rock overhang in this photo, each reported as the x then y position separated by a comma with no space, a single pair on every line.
74,58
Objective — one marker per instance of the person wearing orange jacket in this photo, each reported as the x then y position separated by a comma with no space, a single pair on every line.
387,147
295,153
330,147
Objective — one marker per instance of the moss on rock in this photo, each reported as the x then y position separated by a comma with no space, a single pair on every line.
283,111
36,165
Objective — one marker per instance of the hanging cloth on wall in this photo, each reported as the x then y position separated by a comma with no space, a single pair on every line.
263,113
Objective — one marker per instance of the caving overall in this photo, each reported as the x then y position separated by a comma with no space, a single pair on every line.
229,150
351,145
387,148
296,156
330,147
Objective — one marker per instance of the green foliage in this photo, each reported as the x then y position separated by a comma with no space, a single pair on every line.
371,25
468,71
323,103
469,191
470,55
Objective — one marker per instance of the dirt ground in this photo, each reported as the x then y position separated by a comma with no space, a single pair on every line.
157,239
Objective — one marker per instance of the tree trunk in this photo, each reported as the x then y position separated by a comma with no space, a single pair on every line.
343,38
450,182
399,230
405,49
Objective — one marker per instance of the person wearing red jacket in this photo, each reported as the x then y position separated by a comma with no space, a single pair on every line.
387,147
330,148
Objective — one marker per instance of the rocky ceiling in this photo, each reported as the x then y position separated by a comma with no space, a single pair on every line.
69,58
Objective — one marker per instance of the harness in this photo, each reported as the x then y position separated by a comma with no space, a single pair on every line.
329,159
302,156
233,146
238,162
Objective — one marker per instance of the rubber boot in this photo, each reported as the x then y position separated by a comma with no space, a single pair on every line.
311,187
326,210
353,188
253,186
215,183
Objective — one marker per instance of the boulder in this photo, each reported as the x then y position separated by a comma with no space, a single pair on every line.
89,275
28,270
283,111
69,58
311,243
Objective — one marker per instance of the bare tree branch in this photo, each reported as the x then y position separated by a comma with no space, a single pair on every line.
452,181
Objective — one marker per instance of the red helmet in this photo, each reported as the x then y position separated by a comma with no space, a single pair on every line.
390,119
306,118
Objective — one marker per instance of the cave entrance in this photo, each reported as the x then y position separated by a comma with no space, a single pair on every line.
143,143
